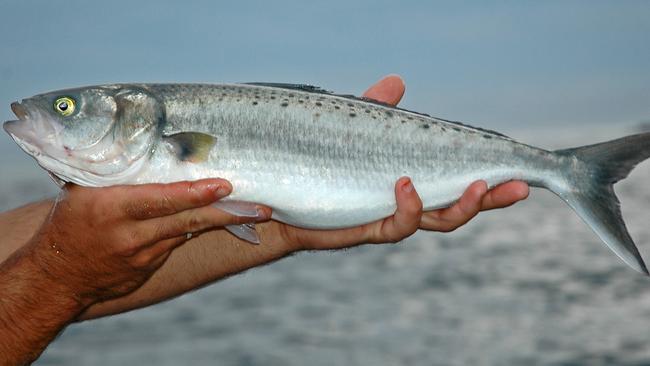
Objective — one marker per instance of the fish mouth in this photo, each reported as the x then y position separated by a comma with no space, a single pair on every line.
14,128
20,130
26,130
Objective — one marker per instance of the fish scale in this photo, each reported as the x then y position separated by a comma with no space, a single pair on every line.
320,160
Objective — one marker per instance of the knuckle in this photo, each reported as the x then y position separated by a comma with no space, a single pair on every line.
142,260
125,249
194,222
129,243
387,235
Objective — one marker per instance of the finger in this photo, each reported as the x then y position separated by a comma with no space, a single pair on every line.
406,219
402,224
156,200
505,195
388,90
192,221
449,219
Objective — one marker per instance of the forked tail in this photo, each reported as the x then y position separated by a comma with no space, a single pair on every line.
593,198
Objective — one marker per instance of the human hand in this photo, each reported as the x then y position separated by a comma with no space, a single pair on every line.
101,243
409,216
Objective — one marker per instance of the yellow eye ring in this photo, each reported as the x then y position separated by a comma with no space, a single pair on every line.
65,106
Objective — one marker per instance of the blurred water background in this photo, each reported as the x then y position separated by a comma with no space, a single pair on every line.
528,285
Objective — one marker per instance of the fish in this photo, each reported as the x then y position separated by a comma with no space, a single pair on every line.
321,160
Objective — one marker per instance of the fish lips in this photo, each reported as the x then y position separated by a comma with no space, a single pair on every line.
21,130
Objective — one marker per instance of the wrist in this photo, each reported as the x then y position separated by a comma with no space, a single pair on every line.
38,270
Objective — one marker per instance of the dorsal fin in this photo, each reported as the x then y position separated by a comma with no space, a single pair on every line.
318,90
303,87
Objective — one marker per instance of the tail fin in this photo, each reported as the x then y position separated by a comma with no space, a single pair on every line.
595,201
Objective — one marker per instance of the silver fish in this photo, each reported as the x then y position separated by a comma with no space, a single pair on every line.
319,159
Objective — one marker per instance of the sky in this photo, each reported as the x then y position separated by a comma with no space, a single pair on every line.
500,64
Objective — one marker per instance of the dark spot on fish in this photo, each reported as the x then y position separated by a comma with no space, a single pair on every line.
224,94
272,97
456,129
300,101
409,118
240,91
350,105
386,126
290,95
374,117
337,107
319,104
333,102
403,121
317,115
257,96
487,136
284,104
254,103
353,114
389,113
425,126
238,99
367,111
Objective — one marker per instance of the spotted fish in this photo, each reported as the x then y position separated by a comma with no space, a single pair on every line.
319,159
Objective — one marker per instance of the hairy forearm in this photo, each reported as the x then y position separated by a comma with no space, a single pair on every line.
210,257
33,308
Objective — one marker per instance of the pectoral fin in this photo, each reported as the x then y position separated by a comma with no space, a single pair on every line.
193,147
237,208
245,232
242,209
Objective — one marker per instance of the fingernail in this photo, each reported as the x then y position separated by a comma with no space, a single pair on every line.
222,192
407,187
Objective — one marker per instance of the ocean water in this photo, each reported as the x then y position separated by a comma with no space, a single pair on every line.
530,285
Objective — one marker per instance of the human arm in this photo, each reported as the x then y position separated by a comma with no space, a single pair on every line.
92,245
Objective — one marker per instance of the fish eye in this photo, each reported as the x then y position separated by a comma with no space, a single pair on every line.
65,106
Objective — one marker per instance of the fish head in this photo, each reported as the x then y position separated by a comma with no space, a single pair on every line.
93,136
